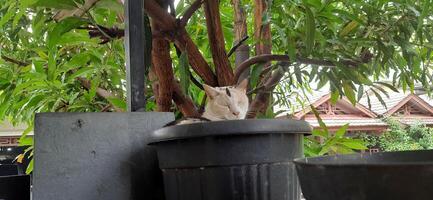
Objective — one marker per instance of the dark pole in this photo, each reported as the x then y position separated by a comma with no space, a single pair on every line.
137,52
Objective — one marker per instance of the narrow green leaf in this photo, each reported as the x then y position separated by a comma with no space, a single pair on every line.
348,91
30,167
335,95
184,74
58,4
319,119
7,16
379,98
318,132
310,30
388,86
341,131
349,28
354,145
81,72
360,92
61,28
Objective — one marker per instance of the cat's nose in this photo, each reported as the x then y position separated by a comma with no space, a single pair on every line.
236,113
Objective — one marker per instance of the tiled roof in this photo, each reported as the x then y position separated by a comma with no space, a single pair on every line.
352,122
297,106
411,121
376,105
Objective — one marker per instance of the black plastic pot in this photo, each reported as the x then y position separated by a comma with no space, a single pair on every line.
380,176
225,160
15,187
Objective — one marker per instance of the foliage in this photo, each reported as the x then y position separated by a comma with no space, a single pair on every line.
322,141
51,63
44,61
401,138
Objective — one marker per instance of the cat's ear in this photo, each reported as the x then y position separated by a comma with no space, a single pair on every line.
243,85
210,91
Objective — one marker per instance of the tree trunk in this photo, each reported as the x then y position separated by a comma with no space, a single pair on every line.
163,69
262,32
196,60
242,53
217,44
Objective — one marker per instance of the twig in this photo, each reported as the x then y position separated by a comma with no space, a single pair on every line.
233,49
99,91
262,97
190,11
14,61
196,83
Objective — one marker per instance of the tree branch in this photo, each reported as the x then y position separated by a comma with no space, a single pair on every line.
14,61
237,45
163,69
223,69
190,11
105,34
161,16
242,52
185,105
262,97
366,57
99,91
196,59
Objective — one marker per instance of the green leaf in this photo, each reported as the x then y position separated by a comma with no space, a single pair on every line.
58,4
61,28
319,132
113,5
255,74
348,91
26,141
360,92
349,28
184,74
30,167
52,64
310,30
335,95
379,98
341,131
8,16
354,145
82,72
119,103
319,119
388,86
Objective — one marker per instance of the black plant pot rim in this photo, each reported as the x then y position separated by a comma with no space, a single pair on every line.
382,159
231,127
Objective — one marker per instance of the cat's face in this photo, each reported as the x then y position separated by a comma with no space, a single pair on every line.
227,103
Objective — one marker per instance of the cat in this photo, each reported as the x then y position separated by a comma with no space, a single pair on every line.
224,103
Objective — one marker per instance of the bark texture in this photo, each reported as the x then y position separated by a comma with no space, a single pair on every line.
217,44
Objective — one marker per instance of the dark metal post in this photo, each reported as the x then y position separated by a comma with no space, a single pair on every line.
137,52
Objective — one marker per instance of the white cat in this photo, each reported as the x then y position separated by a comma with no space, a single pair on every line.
224,103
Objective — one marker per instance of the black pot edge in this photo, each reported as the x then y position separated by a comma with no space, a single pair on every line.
231,127
325,160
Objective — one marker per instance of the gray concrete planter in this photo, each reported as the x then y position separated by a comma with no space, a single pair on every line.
97,156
